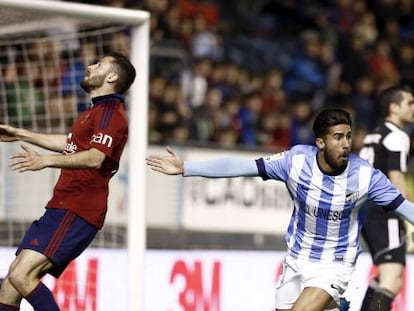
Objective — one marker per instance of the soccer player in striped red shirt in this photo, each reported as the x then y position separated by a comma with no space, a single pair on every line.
88,157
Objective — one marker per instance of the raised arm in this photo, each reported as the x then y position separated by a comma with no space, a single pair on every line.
223,167
53,142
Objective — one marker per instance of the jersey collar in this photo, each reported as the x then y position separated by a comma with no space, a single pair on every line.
107,99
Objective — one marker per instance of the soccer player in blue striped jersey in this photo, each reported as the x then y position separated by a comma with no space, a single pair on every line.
329,188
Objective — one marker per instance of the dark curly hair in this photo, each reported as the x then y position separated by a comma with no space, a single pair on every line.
328,118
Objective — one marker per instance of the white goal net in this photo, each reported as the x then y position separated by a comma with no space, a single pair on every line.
45,48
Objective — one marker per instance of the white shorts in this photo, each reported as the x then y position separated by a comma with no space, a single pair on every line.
298,274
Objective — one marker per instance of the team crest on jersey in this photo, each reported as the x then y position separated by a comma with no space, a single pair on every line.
86,118
351,197
273,157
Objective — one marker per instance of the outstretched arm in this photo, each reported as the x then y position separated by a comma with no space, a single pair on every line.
30,160
217,168
53,142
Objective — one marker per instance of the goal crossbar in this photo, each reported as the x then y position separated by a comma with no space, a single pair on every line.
80,10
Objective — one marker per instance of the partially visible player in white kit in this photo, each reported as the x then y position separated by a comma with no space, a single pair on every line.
329,188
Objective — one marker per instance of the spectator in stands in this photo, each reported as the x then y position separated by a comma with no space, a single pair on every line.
154,135
363,103
204,119
47,54
301,122
353,59
172,111
245,81
344,16
157,87
180,134
365,28
324,27
62,112
272,94
120,41
273,132
186,32
23,98
205,42
384,11
249,115
195,82
405,63
392,35
218,78
307,73
229,118
232,87
381,63
226,138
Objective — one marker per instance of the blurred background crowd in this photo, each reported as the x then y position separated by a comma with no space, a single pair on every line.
244,74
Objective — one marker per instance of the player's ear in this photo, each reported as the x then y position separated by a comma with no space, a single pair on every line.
320,143
394,106
112,77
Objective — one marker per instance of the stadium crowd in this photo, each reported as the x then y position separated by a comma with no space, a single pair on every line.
253,74
258,73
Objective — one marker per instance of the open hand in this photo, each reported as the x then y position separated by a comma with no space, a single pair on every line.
170,164
29,160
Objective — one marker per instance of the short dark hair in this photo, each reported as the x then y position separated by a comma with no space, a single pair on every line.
125,71
392,94
328,118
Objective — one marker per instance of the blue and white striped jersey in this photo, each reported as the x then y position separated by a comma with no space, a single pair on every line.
328,210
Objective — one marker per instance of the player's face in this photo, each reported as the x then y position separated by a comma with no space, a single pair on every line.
406,108
335,148
96,75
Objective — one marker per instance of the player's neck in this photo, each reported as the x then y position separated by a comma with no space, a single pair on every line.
102,91
396,121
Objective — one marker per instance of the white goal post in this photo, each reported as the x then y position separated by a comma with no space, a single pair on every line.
138,99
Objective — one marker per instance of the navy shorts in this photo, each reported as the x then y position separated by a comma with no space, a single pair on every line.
60,235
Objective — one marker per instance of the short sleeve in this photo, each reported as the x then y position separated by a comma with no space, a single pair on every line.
382,192
275,166
109,128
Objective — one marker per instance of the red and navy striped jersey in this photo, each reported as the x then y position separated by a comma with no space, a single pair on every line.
103,126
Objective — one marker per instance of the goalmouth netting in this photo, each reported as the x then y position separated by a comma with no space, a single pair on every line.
45,47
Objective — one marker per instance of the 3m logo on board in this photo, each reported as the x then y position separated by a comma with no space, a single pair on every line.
199,291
